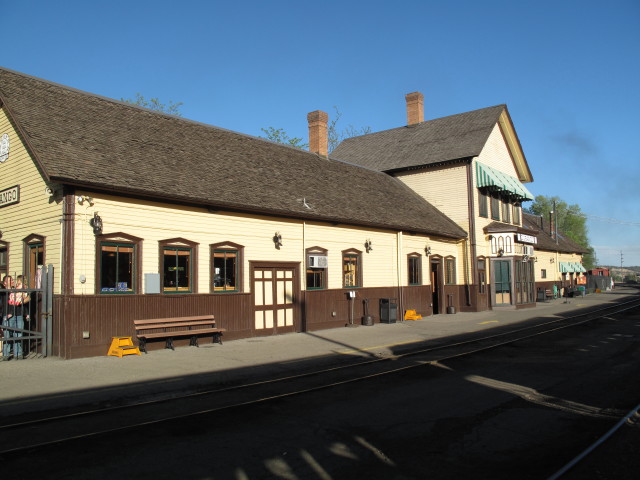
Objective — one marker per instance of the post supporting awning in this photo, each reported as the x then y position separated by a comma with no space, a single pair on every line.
487,176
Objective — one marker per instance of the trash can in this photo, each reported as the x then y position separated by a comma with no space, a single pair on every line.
388,310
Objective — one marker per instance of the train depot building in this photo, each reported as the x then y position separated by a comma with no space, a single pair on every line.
148,215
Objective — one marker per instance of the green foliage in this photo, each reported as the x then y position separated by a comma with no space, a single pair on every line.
571,222
155,104
334,135
278,135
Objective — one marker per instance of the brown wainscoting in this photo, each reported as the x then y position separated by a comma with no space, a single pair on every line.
106,316
332,308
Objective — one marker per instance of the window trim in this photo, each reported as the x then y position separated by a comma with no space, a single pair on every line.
28,243
184,244
353,252
6,270
517,214
506,210
483,208
325,271
447,260
481,268
227,246
124,239
495,207
410,257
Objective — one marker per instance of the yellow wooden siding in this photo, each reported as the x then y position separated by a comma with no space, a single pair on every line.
445,188
495,153
155,221
36,213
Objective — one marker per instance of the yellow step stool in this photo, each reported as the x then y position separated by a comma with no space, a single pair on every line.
412,315
122,346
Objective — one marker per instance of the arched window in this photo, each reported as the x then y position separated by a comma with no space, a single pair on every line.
118,263
226,267
178,265
316,268
351,268
34,257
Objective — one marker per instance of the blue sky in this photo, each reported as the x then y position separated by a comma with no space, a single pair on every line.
569,72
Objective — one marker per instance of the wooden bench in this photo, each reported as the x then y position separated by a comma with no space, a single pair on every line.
168,328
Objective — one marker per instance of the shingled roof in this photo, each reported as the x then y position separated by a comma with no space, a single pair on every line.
435,141
545,241
90,141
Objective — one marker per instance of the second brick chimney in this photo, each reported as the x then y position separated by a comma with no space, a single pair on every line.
415,108
318,133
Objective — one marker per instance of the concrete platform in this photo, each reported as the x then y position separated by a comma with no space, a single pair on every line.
38,385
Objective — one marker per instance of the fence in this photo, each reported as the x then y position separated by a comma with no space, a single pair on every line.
26,319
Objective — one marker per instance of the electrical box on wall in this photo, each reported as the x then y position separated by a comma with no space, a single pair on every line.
151,283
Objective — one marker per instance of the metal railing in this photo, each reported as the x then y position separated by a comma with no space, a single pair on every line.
26,328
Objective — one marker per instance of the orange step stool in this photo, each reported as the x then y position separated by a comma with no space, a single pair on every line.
412,315
122,346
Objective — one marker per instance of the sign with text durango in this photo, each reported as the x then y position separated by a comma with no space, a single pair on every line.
10,196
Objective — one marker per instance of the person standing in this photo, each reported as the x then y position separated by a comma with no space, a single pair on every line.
15,319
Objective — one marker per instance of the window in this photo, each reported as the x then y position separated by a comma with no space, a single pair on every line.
543,273
516,214
4,259
415,269
351,268
116,268
178,265
482,204
226,264
33,258
482,275
450,271
495,207
316,263
117,263
506,210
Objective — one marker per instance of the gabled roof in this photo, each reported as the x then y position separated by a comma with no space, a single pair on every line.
90,141
545,241
432,142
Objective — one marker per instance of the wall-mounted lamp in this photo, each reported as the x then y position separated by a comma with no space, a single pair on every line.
277,240
500,252
368,245
552,260
96,223
427,250
85,198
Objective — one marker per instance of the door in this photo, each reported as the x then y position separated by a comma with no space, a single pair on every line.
275,298
435,287
502,282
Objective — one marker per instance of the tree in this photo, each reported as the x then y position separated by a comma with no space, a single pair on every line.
334,135
278,135
571,222
154,104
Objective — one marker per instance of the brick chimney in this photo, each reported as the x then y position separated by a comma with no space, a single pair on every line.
415,108
318,135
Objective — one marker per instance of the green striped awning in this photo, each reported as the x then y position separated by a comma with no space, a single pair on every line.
487,176
565,267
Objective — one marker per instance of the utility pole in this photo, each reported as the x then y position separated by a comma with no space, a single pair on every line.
621,260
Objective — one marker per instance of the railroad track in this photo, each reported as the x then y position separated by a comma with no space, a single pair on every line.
42,432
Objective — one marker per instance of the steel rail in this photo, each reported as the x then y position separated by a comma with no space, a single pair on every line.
32,423
331,369
595,444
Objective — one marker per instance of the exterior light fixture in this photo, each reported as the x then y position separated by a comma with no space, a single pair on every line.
552,260
96,223
277,240
368,245
427,250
